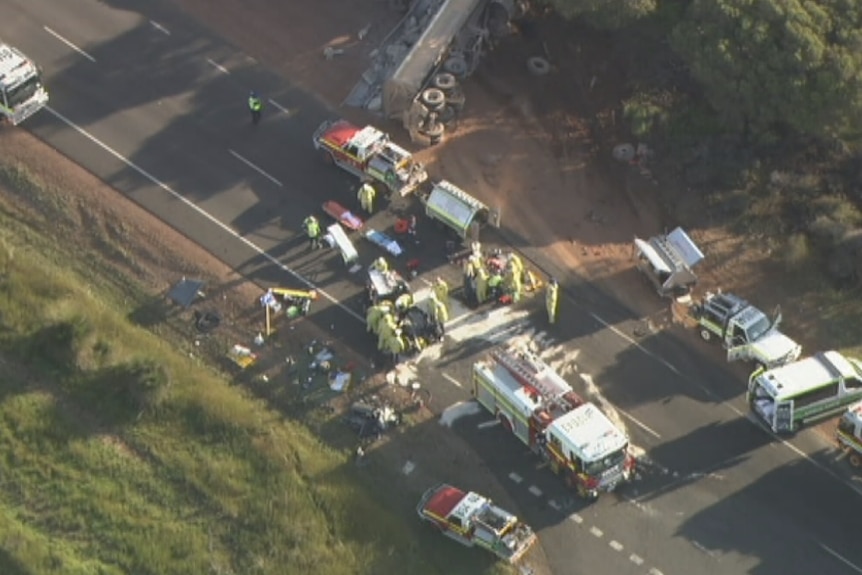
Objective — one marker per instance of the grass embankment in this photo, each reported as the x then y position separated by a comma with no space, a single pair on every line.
121,455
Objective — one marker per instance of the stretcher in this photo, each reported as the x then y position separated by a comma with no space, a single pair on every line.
383,241
337,238
342,215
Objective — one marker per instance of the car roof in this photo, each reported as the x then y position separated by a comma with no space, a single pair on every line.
793,378
13,65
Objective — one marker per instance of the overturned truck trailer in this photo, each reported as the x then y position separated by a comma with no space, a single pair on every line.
428,51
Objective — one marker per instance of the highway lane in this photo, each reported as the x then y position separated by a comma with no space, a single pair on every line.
159,101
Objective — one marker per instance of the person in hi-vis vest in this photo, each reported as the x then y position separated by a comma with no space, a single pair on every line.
551,303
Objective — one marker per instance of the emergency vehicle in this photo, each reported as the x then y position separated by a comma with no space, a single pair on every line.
474,520
540,408
667,261
21,91
369,153
458,210
849,434
745,332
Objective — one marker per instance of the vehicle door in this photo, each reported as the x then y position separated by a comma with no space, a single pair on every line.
737,343
782,418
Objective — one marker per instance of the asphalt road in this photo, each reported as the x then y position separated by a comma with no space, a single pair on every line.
154,105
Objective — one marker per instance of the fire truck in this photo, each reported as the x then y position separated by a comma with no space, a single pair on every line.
368,153
21,91
471,519
849,434
540,408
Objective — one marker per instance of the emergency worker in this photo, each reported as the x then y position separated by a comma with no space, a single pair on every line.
254,106
431,306
516,264
495,285
312,230
372,316
366,196
403,302
481,285
551,297
380,264
441,291
513,284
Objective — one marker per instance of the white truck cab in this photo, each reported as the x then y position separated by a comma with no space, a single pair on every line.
745,331
21,91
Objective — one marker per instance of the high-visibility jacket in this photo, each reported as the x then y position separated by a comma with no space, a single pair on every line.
551,301
254,104
312,227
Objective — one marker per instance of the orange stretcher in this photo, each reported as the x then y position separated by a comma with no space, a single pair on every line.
342,215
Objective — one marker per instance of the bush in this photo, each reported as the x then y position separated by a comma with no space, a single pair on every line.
797,252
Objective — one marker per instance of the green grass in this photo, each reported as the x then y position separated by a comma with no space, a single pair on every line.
121,455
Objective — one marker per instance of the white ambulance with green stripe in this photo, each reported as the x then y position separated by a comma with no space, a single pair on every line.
787,397
21,91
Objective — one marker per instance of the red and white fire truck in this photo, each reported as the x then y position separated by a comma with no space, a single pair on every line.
540,408
368,153
471,519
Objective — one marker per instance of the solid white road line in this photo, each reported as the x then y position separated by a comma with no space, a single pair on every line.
279,106
640,424
840,558
515,477
218,67
224,227
256,168
535,491
69,44
451,379
160,28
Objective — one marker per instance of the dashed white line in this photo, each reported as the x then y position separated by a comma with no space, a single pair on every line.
535,491
636,559
218,67
840,558
639,423
256,168
515,477
616,545
655,571
487,424
160,28
452,380
224,227
576,518
552,503
596,531
278,106
69,44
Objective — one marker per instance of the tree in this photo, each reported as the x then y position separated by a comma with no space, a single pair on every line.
770,65
606,14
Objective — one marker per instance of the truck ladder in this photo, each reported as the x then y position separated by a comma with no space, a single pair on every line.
525,376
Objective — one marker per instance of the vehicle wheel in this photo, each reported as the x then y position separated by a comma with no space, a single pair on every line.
855,460
434,132
434,99
569,481
327,157
445,81
538,66
456,65
504,421
705,334
447,114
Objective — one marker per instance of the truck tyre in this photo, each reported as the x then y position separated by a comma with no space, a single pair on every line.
538,66
855,460
705,334
445,81
327,157
434,99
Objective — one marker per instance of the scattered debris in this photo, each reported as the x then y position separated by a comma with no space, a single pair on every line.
408,467
363,33
538,66
329,52
241,356
206,321
185,292
371,422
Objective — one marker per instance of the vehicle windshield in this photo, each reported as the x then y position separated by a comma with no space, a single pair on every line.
845,426
599,466
759,329
23,92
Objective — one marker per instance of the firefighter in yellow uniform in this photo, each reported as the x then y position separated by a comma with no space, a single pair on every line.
366,197
372,317
403,302
551,300
380,264
441,291
481,285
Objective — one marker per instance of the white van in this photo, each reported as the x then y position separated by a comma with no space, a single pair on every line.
787,397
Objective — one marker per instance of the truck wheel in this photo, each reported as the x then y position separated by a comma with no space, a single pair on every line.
433,98
705,334
444,81
327,157
855,460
